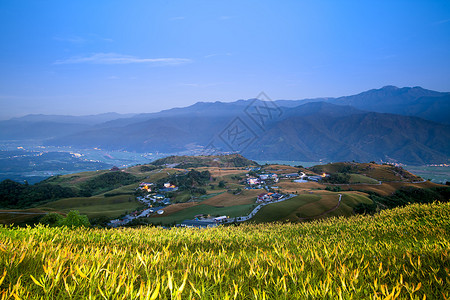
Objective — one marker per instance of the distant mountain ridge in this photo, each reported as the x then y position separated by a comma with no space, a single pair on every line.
408,101
68,119
408,125
39,126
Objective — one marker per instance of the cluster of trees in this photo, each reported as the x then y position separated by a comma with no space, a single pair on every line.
148,168
23,195
333,189
238,161
403,197
192,181
338,168
18,195
73,219
337,178
106,182
236,177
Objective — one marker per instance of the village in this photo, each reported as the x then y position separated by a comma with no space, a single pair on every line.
156,199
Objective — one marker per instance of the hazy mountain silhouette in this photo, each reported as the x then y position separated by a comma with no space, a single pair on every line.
309,132
389,123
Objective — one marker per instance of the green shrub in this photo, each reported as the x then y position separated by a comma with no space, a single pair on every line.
74,219
51,219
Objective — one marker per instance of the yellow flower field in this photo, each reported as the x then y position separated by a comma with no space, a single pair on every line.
401,253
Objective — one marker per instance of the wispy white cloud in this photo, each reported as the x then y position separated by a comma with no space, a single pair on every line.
225,17
202,85
116,59
218,54
177,18
190,84
71,39
441,22
74,39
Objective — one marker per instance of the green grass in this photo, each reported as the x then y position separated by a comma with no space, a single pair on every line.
310,206
181,196
76,179
204,197
190,212
349,201
281,210
96,206
126,189
357,178
402,253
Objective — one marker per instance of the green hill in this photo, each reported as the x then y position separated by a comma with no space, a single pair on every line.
375,171
187,162
401,253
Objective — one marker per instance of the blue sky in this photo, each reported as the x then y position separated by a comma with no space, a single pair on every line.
84,57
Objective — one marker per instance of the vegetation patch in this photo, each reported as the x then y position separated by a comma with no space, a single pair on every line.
358,178
187,162
17,195
106,182
96,206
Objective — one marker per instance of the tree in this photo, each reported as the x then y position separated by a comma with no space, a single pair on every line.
337,178
51,219
74,219
221,184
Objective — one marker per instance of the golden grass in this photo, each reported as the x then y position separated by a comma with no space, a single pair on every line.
228,199
326,203
173,208
281,169
292,187
398,254
220,172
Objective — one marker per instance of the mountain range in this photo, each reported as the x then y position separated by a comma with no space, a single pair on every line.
409,125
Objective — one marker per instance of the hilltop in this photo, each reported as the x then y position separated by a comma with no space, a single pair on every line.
186,162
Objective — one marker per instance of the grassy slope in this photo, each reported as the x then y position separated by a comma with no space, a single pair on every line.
281,211
228,199
191,211
358,178
404,251
311,206
74,180
375,171
95,206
